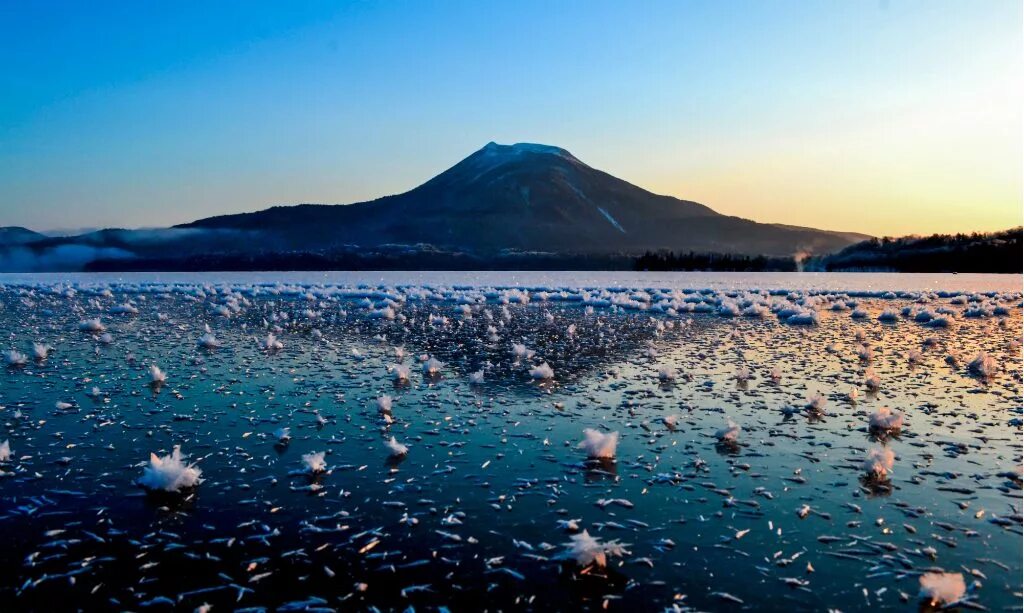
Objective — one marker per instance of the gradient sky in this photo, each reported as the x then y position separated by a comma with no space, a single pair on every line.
884,117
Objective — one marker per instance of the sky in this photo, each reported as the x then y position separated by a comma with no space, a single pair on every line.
885,117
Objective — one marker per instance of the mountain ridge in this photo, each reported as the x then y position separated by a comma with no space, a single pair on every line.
502,199
532,197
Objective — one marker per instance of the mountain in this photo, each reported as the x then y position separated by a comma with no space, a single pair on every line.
504,206
526,197
16,235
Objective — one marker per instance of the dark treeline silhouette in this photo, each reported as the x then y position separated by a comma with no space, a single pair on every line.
667,260
371,260
998,252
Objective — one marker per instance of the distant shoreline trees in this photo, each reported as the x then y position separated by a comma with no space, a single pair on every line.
724,262
978,252
988,252
994,252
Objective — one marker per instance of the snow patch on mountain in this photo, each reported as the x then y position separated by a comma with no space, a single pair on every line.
493,149
611,220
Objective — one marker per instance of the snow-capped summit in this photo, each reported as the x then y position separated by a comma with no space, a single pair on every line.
493,149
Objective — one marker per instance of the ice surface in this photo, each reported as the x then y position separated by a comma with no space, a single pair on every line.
414,460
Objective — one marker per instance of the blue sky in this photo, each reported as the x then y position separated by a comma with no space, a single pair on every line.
883,117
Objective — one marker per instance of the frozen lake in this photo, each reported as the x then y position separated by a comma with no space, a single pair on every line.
732,463
846,282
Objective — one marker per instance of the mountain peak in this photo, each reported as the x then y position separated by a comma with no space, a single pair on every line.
493,149
508,163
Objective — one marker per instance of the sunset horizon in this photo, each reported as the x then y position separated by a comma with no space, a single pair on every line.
886,119
501,305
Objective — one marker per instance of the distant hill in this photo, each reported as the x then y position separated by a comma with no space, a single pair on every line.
503,206
853,237
998,252
16,235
